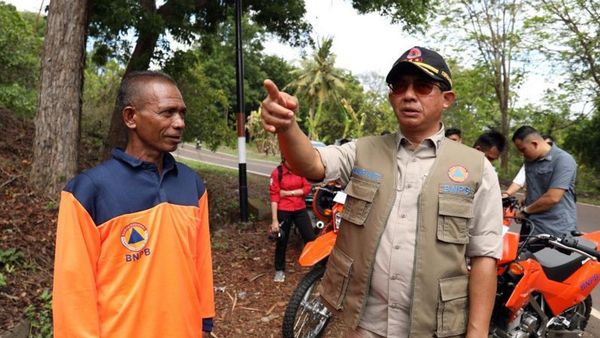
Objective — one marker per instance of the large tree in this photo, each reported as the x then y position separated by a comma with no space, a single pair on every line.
494,27
568,33
112,21
58,118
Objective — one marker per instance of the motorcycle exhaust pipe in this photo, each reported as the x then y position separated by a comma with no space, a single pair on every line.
320,225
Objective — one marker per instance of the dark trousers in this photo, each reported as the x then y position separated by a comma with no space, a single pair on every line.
286,218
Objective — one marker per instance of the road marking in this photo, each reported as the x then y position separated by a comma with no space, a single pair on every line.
267,162
221,165
595,313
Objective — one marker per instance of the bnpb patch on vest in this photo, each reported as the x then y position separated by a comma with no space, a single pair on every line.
458,173
371,175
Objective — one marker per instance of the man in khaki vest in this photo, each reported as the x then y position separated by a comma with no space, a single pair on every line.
420,210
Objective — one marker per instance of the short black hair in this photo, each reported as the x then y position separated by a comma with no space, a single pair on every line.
131,85
549,137
453,131
523,132
490,139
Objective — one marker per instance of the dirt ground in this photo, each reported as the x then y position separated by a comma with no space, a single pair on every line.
248,302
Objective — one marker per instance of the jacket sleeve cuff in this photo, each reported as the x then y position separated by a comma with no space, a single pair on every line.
207,324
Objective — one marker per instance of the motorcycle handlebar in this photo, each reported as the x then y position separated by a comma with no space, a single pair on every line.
575,243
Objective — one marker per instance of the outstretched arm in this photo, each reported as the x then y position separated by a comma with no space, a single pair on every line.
279,116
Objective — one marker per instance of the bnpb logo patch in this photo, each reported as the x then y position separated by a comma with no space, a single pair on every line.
458,173
134,237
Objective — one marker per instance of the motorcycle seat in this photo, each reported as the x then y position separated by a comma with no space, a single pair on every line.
558,265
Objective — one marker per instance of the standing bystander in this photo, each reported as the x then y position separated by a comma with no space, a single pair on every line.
550,178
133,255
287,191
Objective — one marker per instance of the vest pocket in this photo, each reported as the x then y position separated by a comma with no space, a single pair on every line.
336,278
453,308
454,213
360,197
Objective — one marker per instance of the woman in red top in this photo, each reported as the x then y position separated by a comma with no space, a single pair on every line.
287,192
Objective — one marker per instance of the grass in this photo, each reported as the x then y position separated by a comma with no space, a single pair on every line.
222,185
204,167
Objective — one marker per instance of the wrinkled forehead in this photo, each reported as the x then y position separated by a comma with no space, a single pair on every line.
158,91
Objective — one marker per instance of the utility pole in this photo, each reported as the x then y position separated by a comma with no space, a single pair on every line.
241,114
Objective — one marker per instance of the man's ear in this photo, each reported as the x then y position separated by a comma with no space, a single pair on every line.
449,98
129,117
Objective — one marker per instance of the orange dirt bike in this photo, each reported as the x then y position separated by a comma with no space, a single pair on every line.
543,290
305,315
544,284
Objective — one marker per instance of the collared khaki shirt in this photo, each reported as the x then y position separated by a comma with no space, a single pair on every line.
389,300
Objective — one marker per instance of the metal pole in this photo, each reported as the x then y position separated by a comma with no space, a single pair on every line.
241,115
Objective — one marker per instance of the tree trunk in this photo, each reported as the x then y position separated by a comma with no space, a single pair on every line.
57,124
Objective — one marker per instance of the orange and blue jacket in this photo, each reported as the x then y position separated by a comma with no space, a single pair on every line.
133,255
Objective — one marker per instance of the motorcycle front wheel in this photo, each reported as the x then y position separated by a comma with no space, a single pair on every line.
305,315
576,317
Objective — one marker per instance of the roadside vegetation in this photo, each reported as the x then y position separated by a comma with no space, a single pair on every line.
493,50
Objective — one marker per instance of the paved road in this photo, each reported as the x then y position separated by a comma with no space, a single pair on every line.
263,168
588,215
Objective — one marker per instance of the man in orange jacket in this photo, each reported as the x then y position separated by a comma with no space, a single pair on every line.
133,255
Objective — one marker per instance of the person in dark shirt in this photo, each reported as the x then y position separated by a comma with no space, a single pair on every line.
550,174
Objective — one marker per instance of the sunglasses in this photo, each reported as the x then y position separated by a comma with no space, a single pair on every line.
420,87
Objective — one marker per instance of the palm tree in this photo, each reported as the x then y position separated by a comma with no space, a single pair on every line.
318,81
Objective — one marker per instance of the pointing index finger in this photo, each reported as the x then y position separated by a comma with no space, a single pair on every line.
272,90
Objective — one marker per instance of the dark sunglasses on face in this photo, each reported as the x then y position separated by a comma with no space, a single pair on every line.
421,87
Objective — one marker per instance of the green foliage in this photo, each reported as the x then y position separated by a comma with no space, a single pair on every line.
99,93
40,316
475,108
207,78
20,47
21,100
10,257
217,52
112,21
318,82
207,106
413,15
567,34
584,141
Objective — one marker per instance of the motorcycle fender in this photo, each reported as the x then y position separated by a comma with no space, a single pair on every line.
520,295
594,237
510,246
318,249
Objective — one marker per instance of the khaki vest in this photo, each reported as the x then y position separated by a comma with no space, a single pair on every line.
440,281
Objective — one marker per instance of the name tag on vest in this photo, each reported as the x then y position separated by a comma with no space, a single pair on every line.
456,189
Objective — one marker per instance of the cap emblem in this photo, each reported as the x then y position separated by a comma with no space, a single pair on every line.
414,55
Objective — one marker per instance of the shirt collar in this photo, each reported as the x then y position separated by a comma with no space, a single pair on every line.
120,155
432,141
